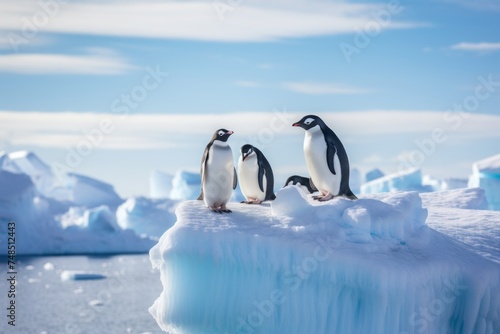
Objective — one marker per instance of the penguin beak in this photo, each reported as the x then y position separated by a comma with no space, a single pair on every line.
245,156
230,132
296,124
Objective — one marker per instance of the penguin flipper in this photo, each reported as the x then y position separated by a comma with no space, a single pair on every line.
331,150
260,176
235,179
270,182
204,159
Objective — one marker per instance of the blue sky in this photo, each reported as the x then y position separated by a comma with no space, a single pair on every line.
386,75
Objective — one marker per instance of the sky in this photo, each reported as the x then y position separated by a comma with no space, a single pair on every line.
117,89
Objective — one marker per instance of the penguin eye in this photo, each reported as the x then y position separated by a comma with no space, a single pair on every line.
308,121
221,133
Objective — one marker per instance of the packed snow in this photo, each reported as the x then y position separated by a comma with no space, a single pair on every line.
300,266
486,174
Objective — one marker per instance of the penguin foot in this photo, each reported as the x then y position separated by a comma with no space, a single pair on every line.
224,209
324,198
216,210
252,201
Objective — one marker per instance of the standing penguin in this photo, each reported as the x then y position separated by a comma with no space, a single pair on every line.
218,175
256,175
326,159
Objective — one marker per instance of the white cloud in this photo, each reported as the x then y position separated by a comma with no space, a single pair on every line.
198,20
4,41
98,62
152,131
321,88
483,46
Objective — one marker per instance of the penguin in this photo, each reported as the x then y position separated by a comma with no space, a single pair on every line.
326,159
218,174
305,183
256,175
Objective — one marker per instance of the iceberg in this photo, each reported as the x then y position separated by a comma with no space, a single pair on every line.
160,184
300,266
151,217
355,180
17,193
453,183
89,192
373,174
30,164
486,174
443,184
82,221
185,185
100,220
409,180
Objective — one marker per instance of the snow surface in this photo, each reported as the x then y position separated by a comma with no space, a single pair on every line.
486,174
299,266
465,198
462,214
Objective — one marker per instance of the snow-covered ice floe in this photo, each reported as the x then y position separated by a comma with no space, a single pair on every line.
300,266
80,275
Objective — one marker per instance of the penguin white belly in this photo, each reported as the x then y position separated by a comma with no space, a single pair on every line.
315,153
248,173
218,185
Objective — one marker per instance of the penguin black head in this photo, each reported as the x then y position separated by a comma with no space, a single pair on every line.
246,150
308,122
222,135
